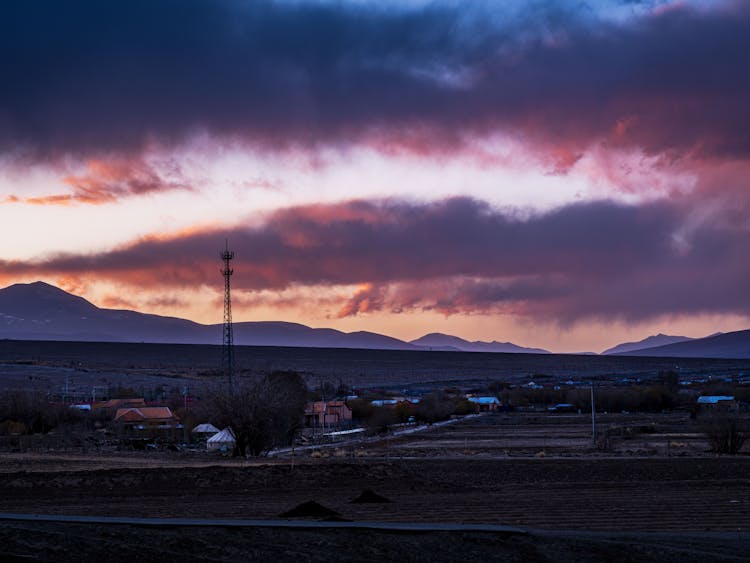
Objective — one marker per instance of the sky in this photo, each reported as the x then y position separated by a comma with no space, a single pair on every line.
564,175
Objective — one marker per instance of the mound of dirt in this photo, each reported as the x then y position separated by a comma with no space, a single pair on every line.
310,509
369,496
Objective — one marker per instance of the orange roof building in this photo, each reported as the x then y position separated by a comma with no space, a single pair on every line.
147,417
116,404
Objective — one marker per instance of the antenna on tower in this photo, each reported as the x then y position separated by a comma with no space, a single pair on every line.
227,347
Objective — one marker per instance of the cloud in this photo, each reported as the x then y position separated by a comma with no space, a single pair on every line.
106,181
54,199
105,77
595,259
367,298
117,302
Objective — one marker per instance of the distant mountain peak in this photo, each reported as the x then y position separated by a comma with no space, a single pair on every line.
41,300
36,286
724,345
440,341
652,341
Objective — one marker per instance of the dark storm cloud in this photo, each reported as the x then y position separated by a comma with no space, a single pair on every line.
458,255
88,76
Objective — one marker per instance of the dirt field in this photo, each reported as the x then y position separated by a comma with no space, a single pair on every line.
533,471
586,494
670,496
70,542
552,435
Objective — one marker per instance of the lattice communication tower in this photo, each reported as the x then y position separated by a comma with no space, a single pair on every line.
227,347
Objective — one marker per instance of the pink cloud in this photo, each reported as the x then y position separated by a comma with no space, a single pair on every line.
456,256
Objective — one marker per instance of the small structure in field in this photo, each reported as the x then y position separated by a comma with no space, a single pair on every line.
223,441
327,413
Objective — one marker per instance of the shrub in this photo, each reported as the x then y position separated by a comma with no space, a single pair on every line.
34,413
380,420
464,407
402,411
434,407
726,433
361,408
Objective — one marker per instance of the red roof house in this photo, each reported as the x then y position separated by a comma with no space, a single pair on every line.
327,413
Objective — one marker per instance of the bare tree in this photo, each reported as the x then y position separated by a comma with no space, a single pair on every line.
31,413
264,414
726,433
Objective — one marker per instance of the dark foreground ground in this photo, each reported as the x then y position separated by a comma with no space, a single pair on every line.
668,494
20,541
592,509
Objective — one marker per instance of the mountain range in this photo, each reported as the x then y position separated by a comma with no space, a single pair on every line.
722,345
40,311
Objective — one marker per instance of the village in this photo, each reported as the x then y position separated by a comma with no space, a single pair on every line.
173,420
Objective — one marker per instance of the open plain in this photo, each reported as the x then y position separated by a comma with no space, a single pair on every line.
48,365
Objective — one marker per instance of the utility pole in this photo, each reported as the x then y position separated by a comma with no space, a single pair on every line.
593,417
227,347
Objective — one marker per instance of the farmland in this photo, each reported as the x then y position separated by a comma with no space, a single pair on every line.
537,472
588,507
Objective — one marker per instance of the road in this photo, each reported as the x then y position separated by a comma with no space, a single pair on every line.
244,523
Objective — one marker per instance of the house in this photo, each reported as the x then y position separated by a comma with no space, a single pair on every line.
109,408
327,413
223,441
485,404
204,431
146,419
717,402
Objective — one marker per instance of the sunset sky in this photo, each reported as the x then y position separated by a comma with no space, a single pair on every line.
565,175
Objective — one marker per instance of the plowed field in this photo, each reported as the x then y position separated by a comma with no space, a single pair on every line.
590,494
